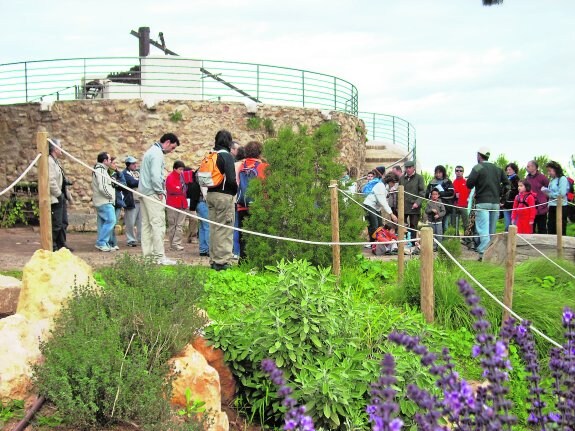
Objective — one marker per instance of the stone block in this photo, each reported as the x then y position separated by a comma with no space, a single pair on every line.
9,293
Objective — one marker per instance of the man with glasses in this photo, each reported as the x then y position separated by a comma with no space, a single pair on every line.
461,200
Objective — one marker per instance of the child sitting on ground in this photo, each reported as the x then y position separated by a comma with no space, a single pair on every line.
524,210
384,234
435,211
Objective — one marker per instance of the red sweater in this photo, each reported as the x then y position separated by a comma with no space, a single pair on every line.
460,186
176,191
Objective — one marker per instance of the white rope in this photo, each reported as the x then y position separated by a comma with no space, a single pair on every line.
17,180
481,209
188,214
509,310
546,257
346,194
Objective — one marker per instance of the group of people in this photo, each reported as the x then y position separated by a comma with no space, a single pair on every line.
142,193
474,203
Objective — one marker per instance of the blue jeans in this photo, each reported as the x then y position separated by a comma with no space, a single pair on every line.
204,227
485,223
507,218
113,240
106,222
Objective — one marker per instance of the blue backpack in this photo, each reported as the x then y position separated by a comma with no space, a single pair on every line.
246,174
368,188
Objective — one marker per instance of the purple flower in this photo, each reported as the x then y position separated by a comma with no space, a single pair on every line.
567,316
295,418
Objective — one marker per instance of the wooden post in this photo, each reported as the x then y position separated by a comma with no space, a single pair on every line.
400,233
510,270
335,227
44,191
559,224
426,274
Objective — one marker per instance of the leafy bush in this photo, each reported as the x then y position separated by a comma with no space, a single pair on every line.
294,199
107,357
327,337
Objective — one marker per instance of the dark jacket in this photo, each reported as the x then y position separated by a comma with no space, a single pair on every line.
413,185
537,181
446,191
511,193
226,165
490,183
119,177
132,182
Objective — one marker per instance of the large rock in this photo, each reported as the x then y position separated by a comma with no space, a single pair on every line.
47,282
9,293
215,358
193,372
546,244
19,349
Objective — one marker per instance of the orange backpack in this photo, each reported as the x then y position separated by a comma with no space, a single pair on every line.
209,175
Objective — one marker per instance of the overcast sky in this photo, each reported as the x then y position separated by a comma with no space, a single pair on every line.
463,74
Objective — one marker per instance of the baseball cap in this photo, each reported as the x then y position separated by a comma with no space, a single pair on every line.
130,159
409,164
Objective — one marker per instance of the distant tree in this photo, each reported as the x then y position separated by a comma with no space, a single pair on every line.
491,2
294,200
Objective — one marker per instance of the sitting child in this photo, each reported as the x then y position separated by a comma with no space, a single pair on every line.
385,234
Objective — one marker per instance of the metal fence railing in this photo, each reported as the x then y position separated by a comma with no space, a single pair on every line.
170,77
389,128
176,77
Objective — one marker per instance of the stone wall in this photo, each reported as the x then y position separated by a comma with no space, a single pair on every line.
129,127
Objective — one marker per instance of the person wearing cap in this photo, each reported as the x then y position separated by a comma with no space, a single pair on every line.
132,215
58,196
414,189
490,184
376,201
152,186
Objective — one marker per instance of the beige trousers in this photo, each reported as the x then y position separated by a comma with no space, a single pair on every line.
153,227
176,222
221,210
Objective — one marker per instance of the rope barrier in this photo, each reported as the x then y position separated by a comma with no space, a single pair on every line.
346,194
481,209
546,257
488,293
188,214
17,180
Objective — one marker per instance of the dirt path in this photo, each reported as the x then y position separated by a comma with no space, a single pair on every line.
17,245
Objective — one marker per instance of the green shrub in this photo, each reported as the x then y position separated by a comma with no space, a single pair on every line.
452,245
294,200
328,337
107,357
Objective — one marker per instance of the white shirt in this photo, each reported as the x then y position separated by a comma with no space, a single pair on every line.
377,199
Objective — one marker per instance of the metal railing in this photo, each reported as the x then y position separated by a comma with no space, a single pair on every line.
178,78
173,77
389,128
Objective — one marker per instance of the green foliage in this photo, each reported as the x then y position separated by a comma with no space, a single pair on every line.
502,162
328,337
192,407
531,300
254,123
107,357
176,116
452,245
11,410
294,200
268,124
17,210
51,421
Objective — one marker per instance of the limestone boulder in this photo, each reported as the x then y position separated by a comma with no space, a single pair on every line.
47,281
528,247
19,349
193,371
215,358
9,293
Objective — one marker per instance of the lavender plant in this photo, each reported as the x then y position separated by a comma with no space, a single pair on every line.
462,408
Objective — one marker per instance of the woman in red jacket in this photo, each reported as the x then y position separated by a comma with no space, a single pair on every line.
176,198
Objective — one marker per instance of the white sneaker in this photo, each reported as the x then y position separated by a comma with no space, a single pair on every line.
115,248
235,256
165,261
103,247
367,246
177,248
